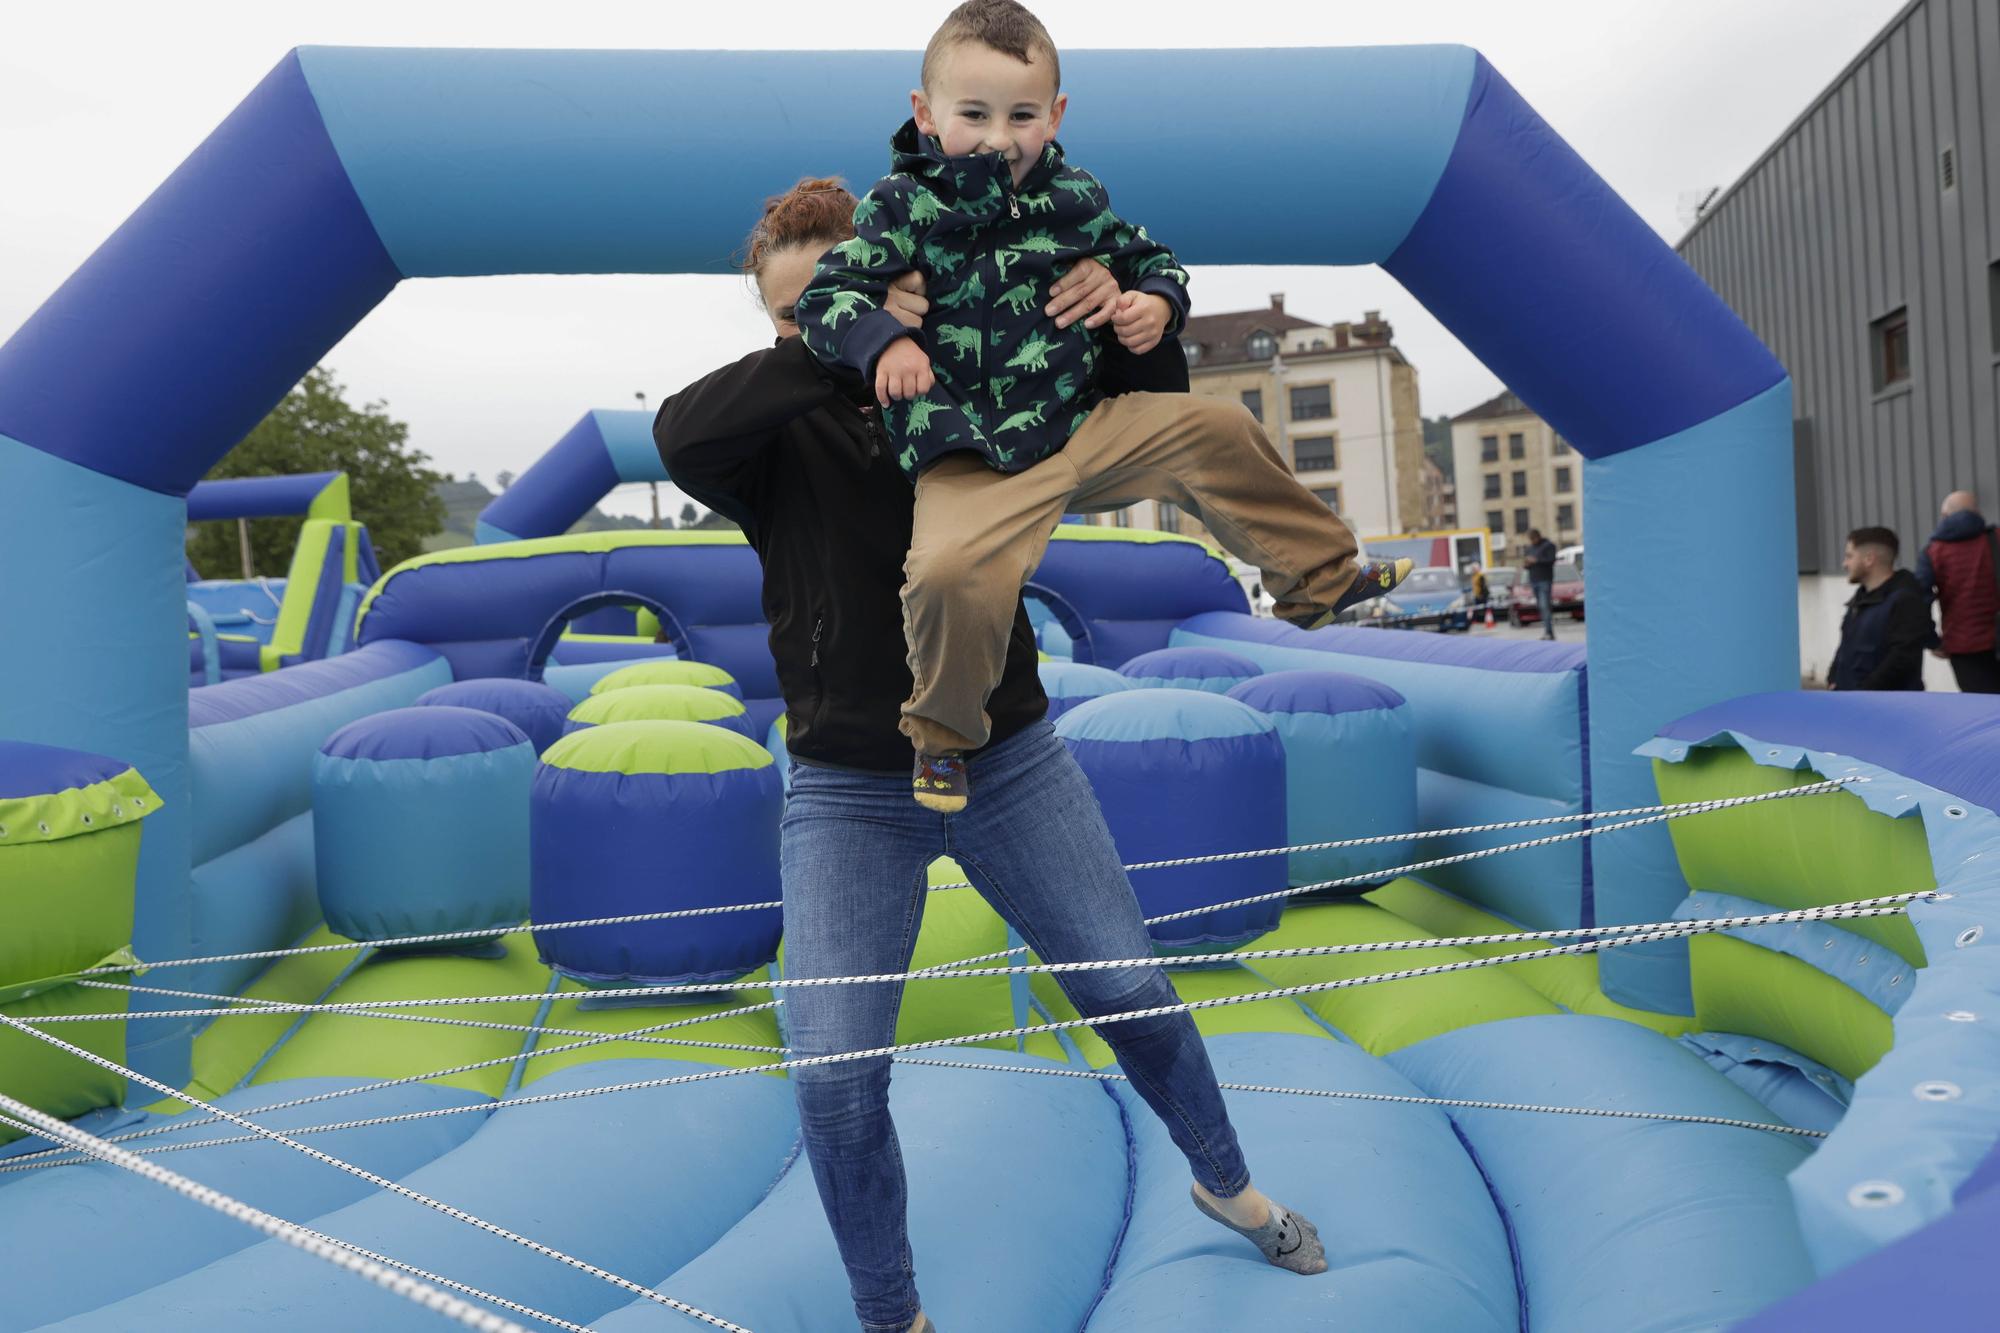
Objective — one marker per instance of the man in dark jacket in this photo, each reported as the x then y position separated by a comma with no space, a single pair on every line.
1888,622
1540,562
1958,569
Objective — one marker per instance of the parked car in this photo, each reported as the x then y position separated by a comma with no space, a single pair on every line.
1430,597
1565,596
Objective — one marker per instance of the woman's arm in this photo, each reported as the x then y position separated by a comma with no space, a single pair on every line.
713,435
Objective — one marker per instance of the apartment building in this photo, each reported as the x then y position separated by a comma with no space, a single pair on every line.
1513,473
1338,400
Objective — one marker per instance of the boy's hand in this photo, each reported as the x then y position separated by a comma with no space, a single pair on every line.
1086,291
902,371
1140,319
906,300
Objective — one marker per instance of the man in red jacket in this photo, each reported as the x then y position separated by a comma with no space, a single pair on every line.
1960,571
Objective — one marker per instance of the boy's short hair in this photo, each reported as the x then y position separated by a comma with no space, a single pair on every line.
1881,537
1004,25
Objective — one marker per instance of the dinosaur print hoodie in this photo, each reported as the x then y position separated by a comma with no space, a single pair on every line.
1011,386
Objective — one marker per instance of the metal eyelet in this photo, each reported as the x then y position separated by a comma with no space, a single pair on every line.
1970,935
1937,1090
43,825
1875,1194
1954,812
86,820
1961,1016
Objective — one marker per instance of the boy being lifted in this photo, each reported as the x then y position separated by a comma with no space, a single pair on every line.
995,406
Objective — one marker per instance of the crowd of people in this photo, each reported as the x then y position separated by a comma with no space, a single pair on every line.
1888,626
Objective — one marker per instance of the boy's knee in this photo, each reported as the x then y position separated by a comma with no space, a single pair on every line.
944,570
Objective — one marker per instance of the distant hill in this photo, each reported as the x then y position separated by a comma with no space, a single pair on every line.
465,500
1437,442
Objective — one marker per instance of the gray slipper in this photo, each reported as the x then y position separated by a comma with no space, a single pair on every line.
1286,1239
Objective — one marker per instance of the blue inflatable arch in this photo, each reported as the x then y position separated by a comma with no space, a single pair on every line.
323,190
602,450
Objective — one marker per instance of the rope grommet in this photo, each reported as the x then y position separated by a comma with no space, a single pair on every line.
1954,812
86,819
1937,1090
43,825
1875,1194
1970,935
1962,1016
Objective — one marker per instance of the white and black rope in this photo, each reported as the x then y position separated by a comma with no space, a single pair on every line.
421,1287
380,1182
1672,810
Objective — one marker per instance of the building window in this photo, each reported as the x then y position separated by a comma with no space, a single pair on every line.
1516,446
1170,517
1560,447
1315,455
1262,346
1890,337
1520,483
1562,481
1521,520
1489,448
1312,402
1330,496
1493,485
1565,518
1496,522
1122,519
1254,400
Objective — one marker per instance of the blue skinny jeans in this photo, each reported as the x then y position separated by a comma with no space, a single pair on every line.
1034,844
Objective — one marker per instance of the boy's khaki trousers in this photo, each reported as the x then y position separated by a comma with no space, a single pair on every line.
980,533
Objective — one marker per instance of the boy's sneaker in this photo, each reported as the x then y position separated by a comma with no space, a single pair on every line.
1372,580
939,782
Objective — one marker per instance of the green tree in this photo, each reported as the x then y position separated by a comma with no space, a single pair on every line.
315,429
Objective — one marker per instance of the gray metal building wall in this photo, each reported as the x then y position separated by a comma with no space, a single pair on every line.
1844,220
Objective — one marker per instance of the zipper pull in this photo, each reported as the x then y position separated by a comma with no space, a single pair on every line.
1013,205
818,625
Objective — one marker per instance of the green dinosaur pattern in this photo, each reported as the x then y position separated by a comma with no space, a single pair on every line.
972,289
960,339
1022,420
994,353
858,252
921,412
1019,298
844,304
1032,354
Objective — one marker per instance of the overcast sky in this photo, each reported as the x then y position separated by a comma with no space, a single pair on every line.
100,101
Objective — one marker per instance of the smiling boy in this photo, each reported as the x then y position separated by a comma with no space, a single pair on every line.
995,406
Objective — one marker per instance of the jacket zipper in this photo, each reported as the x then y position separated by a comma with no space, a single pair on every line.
819,624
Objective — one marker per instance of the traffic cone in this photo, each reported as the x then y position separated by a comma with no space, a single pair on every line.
1489,617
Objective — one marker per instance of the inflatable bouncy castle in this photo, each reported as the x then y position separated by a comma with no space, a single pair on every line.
443,976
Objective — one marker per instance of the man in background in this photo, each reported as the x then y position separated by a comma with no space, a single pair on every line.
1888,621
1540,563
1958,570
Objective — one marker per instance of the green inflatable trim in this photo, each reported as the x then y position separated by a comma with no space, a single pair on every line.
1743,988
1387,1016
119,957
53,1081
656,703
1569,980
74,811
1806,851
664,671
635,748
1191,983
585,543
